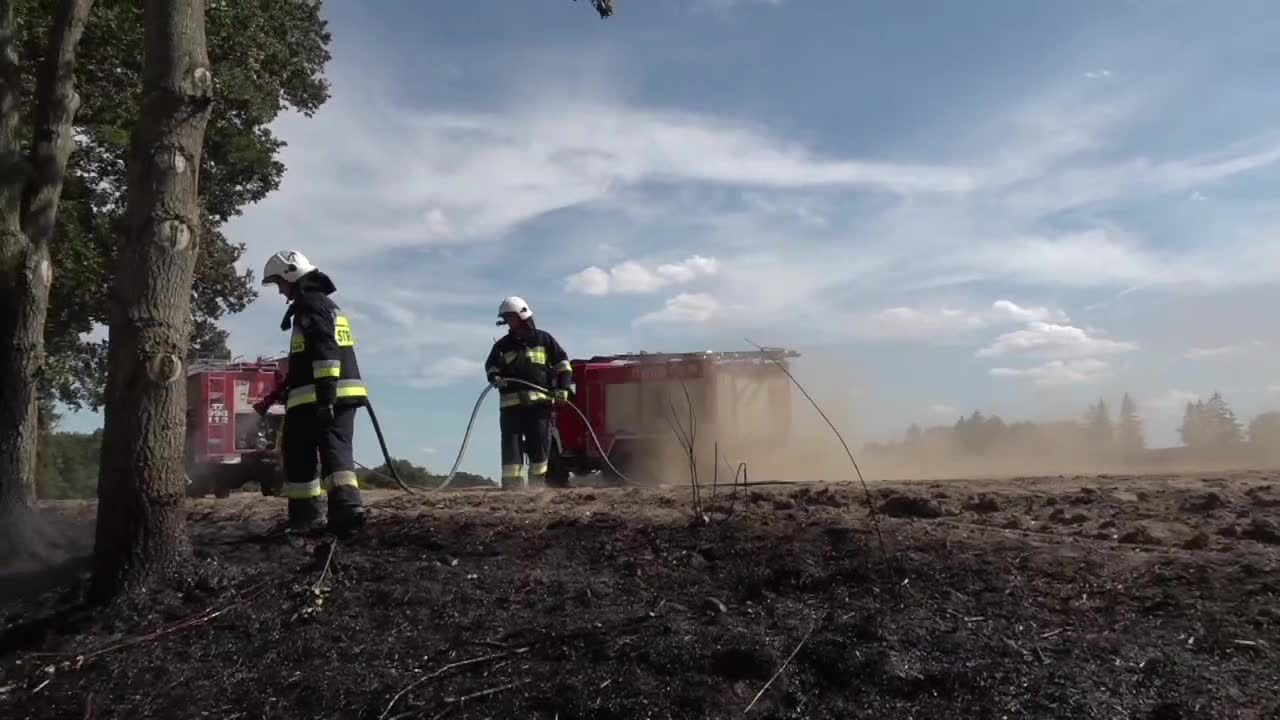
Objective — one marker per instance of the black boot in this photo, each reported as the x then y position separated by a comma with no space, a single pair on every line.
346,511
305,517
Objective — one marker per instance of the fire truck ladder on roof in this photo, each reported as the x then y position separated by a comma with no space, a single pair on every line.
211,363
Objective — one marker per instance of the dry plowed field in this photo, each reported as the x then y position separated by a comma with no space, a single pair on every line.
1097,597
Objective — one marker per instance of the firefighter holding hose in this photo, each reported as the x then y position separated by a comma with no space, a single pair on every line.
532,355
323,391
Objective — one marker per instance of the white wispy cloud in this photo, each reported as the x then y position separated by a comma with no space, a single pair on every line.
945,323
1199,353
632,277
912,323
447,371
942,411
1097,74
1058,372
410,179
1173,400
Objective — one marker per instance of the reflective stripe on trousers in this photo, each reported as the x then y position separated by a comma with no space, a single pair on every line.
342,478
537,469
512,472
303,491
307,393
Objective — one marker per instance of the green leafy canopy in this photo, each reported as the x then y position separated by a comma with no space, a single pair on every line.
267,56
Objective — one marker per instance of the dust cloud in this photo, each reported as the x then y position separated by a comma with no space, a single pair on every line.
45,553
756,416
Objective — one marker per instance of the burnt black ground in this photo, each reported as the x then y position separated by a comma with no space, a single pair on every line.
1153,597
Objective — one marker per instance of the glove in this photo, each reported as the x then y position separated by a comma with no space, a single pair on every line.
562,395
499,383
324,413
261,407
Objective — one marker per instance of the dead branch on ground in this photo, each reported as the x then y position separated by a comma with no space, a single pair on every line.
446,668
783,667
449,702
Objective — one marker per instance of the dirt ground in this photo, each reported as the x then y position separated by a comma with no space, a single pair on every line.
1099,597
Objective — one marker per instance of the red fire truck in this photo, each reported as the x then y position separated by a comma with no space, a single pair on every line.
634,402
228,444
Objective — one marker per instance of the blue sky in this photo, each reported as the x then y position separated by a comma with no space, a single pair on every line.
1007,206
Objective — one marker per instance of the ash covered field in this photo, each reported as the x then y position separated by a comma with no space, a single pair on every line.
1086,597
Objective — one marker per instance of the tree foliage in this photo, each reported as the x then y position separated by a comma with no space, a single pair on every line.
1264,431
69,465
1102,431
270,56
416,476
1129,436
1210,425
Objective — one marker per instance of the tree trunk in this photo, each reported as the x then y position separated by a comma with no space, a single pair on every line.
141,533
29,194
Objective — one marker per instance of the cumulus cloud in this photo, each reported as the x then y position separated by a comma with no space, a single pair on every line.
632,277
1028,314
1057,372
1052,340
685,308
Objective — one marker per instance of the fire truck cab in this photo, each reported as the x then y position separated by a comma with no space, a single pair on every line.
228,444
634,403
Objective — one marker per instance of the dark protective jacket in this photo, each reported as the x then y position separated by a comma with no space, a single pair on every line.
322,350
531,355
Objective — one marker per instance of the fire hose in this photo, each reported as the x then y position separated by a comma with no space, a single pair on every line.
466,437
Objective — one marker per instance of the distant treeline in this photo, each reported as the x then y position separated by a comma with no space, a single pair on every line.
1210,432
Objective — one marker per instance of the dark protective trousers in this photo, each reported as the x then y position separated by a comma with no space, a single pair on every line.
526,429
304,439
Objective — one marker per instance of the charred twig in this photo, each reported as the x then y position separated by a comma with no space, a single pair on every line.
316,593
442,670
333,546
871,509
783,667
480,694
192,621
688,440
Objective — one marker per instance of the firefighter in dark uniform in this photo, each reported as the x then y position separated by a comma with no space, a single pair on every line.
524,414
323,391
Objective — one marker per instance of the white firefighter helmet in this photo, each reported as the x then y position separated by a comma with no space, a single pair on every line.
515,305
287,265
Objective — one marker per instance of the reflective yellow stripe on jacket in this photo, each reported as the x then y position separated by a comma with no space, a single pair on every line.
326,369
307,393
537,355
528,397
